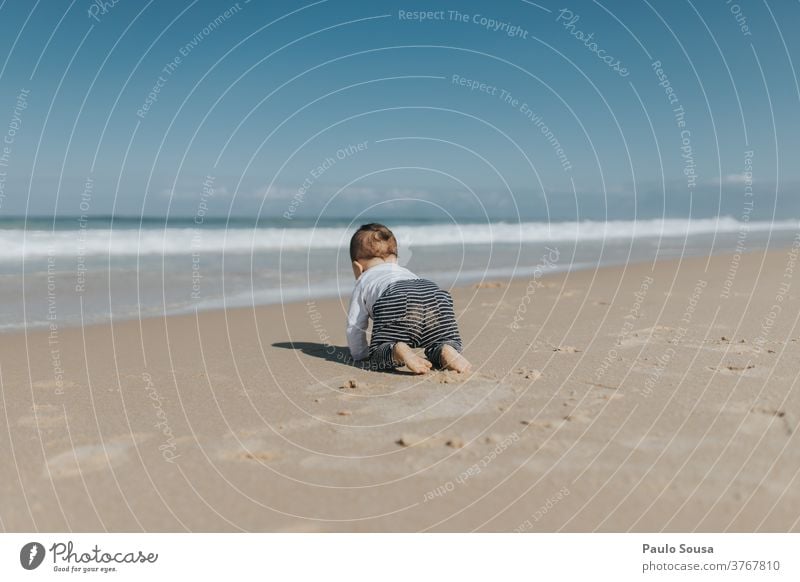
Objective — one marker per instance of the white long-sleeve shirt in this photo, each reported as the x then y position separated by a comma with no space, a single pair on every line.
370,285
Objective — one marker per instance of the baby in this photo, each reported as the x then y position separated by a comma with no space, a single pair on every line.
407,312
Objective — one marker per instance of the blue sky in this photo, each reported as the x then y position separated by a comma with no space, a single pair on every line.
262,95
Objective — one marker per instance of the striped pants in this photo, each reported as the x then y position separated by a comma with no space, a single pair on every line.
416,312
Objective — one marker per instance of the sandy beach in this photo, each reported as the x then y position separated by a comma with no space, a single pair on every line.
650,397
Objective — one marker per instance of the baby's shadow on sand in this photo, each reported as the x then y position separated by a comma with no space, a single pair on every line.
331,353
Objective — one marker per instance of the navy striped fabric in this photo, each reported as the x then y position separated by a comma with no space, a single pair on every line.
416,312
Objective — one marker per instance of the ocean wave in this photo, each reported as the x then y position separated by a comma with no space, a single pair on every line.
20,244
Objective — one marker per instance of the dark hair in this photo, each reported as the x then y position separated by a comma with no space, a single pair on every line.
373,241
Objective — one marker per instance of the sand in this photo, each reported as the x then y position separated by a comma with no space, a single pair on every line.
642,398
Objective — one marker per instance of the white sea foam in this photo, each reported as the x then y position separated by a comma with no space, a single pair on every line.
18,243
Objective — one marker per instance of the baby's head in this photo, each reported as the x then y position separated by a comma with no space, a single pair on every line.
371,245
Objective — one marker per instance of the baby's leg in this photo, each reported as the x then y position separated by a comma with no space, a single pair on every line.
389,355
448,356
381,356
390,347
442,341
396,326
403,353
451,359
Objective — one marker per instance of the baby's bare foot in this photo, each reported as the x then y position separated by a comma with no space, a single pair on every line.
416,363
452,360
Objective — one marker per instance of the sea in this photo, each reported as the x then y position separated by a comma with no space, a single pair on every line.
73,271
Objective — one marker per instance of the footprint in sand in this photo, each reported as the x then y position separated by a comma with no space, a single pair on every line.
566,349
256,456
529,374
734,369
543,423
91,458
729,348
248,450
44,417
773,416
450,377
611,396
604,392
412,440
496,438
455,443
640,337
586,405
53,385
633,341
656,370
409,440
